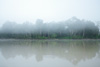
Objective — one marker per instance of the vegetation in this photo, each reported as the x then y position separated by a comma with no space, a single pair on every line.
71,29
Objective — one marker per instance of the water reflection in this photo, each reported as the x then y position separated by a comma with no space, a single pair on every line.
71,50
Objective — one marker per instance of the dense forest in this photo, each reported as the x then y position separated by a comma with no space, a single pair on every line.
73,28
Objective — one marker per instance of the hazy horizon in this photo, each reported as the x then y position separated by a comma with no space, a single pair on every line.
49,10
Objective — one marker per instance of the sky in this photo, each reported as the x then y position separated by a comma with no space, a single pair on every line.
49,10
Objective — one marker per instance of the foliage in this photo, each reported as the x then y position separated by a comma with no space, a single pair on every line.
71,29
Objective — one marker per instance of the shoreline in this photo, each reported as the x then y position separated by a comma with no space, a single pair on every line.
46,39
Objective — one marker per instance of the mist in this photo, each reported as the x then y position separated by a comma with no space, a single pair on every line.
70,27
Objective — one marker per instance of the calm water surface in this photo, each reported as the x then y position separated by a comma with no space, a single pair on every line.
49,53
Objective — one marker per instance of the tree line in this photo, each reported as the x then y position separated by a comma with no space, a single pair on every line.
73,28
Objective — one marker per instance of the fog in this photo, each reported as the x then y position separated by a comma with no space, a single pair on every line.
74,24
48,10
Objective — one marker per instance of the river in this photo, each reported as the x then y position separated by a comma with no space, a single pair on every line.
49,53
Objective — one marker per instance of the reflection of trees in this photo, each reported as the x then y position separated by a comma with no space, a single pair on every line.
82,50
72,50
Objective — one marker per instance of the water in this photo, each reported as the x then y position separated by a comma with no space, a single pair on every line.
49,53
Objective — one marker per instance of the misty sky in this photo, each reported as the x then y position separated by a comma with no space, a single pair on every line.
48,10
